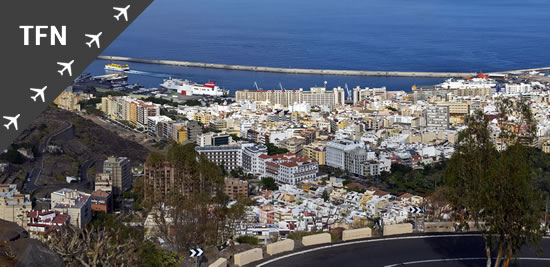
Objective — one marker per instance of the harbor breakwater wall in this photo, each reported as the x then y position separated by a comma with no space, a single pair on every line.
291,70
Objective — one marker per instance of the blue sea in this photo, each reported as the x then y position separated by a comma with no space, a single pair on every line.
398,35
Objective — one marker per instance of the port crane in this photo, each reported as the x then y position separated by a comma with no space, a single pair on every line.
347,91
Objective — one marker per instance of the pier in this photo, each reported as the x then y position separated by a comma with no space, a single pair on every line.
306,71
291,70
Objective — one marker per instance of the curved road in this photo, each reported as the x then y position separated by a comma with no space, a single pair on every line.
34,174
428,250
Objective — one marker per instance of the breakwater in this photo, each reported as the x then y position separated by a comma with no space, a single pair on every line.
291,70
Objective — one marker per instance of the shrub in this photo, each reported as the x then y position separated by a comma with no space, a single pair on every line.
248,239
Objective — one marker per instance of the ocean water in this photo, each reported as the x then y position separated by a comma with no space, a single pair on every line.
400,35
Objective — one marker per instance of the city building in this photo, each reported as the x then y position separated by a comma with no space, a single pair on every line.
187,131
68,100
42,222
214,139
120,172
125,108
159,126
14,205
162,177
436,116
289,168
316,96
235,188
250,159
315,152
336,152
74,203
101,201
103,182
228,156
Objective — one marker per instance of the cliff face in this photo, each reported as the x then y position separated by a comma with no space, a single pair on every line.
17,249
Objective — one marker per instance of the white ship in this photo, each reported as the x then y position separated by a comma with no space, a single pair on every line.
186,87
480,81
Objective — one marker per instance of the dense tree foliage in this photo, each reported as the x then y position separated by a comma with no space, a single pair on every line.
269,183
496,190
199,213
107,242
275,150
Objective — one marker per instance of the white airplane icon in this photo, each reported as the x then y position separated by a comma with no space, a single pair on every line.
66,67
95,39
13,120
39,93
123,11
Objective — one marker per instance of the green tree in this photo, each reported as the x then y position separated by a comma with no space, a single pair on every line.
269,183
494,190
325,196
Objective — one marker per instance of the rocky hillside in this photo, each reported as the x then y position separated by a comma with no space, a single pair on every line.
17,249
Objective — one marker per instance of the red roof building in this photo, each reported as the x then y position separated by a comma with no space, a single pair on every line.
289,168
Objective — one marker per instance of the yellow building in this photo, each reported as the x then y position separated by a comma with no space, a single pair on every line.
180,133
69,100
203,118
133,113
317,153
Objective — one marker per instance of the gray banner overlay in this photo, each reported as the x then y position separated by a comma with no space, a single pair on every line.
36,66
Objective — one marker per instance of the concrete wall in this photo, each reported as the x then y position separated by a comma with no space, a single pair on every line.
221,262
356,234
473,227
434,227
397,229
248,256
290,70
316,239
279,247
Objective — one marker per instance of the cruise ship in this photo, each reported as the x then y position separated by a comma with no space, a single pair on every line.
117,67
186,87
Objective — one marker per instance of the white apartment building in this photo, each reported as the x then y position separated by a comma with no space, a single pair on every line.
336,152
250,161
74,203
289,168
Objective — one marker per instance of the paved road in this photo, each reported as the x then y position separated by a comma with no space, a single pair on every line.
434,250
32,185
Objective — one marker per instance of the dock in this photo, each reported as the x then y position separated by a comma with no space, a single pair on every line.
305,71
290,70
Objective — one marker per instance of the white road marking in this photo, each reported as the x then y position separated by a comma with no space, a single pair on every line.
361,242
369,241
459,259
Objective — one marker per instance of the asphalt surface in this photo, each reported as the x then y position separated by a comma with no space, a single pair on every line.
434,250
34,175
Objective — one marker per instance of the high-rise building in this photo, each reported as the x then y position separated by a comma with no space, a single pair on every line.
336,152
161,178
120,171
